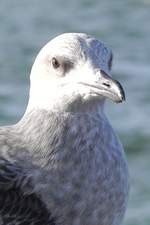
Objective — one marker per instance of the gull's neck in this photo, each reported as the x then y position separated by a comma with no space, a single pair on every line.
63,106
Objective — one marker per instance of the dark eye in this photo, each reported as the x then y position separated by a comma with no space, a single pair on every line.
55,63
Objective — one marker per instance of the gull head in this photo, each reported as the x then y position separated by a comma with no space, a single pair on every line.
73,71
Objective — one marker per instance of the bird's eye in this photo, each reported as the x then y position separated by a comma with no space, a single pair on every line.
55,63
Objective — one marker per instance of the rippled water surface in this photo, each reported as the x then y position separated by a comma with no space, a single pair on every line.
26,25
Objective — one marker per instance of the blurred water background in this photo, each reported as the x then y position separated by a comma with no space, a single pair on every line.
26,25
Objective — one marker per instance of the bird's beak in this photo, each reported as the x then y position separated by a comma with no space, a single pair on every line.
110,88
107,87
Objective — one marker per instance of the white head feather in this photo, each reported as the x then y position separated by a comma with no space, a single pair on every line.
81,59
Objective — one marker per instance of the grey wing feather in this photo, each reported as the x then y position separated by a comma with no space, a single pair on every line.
16,206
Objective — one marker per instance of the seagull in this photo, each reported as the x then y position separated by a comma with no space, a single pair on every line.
62,163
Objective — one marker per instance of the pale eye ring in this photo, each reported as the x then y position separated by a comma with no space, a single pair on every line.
55,63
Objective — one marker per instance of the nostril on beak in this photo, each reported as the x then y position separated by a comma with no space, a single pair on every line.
106,85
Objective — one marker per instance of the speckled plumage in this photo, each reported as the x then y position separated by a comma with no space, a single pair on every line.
66,161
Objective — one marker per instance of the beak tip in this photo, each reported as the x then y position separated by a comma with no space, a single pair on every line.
121,99
123,96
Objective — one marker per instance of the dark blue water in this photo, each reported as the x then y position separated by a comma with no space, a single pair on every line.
26,25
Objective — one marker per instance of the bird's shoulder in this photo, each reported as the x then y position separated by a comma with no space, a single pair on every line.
18,202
